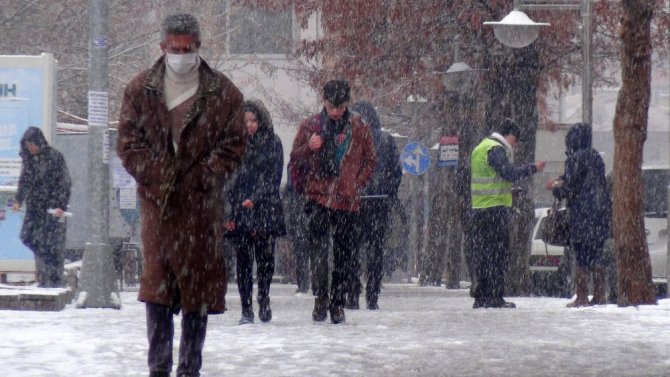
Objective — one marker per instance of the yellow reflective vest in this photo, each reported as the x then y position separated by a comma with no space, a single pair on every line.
487,188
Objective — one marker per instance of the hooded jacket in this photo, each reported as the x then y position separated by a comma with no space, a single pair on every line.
258,179
585,188
44,184
387,175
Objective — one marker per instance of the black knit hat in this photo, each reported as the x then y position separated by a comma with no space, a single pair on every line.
337,92
509,127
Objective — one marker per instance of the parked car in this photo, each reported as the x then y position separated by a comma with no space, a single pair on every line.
551,266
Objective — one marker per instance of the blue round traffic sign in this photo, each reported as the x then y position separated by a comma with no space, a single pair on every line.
415,158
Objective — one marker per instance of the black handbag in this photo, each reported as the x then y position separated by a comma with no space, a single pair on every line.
556,226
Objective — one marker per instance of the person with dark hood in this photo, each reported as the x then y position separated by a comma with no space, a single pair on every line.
44,187
341,158
492,175
257,216
588,202
181,135
377,197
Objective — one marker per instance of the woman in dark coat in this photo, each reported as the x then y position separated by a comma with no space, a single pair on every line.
256,217
584,185
44,185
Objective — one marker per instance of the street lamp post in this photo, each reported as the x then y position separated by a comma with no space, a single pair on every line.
518,30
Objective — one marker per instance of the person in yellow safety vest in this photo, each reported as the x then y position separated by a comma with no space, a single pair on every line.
492,175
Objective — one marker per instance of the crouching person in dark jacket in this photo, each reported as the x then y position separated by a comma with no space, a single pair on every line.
257,216
44,185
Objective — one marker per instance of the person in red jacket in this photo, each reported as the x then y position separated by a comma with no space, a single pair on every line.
341,158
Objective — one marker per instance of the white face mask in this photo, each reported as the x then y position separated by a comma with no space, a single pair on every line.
181,63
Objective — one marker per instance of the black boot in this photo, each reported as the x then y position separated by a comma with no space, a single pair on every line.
247,316
264,311
352,302
337,315
320,312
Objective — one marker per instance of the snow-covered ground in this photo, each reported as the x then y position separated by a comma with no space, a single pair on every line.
419,331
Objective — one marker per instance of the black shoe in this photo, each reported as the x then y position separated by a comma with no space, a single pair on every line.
264,310
337,315
247,317
159,373
373,306
320,312
502,304
478,304
352,303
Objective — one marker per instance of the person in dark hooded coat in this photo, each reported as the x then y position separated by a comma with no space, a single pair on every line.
377,196
584,186
257,215
44,184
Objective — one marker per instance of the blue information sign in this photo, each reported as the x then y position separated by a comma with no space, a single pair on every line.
415,158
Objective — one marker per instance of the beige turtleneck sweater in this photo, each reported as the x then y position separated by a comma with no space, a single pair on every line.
179,91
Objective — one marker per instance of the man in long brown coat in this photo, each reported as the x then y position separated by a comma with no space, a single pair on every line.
181,133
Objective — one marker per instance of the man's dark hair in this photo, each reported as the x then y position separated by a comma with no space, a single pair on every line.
337,92
509,127
178,24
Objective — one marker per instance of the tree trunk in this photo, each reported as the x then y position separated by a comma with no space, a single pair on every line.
630,132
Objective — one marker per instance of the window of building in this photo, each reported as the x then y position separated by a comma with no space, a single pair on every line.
258,31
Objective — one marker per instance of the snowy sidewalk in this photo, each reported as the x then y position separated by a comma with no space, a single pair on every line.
419,331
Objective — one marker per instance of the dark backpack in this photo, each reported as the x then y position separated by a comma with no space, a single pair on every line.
298,170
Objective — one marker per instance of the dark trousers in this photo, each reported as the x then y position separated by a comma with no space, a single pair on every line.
160,332
490,243
301,250
343,226
49,266
374,218
246,248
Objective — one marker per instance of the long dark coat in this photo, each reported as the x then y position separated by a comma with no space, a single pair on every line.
258,179
180,193
44,183
585,188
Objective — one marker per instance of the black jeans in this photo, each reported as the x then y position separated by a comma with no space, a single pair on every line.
343,226
246,248
160,332
490,243
374,220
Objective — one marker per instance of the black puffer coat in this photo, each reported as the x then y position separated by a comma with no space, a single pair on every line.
585,188
258,179
44,184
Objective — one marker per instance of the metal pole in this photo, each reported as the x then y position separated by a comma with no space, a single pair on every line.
587,94
667,208
98,278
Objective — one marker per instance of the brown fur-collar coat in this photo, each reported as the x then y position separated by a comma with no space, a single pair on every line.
180,192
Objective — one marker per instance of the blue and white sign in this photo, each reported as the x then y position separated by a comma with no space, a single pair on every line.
415,158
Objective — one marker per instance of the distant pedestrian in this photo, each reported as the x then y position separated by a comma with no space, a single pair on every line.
257,216
296,226
377,197
584,185
44,184
341,159
181,134
492,175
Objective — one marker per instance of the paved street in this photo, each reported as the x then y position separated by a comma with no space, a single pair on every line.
419,331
